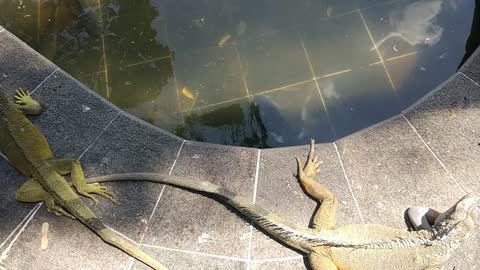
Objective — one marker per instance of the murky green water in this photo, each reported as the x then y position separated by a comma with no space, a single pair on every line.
250,72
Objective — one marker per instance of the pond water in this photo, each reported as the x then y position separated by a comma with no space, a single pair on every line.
263,73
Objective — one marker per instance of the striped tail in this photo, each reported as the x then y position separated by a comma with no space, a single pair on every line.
299,237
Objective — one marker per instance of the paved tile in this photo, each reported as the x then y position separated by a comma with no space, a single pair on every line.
71,245
21,66
333,51
295,264
11,211
448,122
279,192
391,169
73,115
471,68
352,99
130,146
176,260
272,58
190,221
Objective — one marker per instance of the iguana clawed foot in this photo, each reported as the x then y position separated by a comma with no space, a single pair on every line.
26,103
312,167
88,189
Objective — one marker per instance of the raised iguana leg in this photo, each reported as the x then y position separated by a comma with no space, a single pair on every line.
321,262
326,215
73,167
32,191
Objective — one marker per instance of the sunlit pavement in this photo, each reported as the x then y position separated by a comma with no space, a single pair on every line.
426,156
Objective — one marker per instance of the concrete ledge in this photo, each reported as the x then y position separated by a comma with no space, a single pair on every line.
428,155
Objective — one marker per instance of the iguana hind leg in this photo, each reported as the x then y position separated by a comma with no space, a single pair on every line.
74,168
326,215
32,191
321,262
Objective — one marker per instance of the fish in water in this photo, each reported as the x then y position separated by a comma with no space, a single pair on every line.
224,39
187,93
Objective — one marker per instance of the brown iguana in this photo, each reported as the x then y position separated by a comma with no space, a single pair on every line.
28,151
350,247
356,246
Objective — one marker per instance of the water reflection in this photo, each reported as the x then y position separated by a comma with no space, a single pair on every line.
416,24
264,74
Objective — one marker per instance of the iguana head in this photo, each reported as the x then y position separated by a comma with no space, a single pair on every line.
465,210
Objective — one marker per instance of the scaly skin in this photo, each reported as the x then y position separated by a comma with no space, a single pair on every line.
351,247
28,151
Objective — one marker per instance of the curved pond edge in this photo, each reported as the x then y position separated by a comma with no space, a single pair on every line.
427,155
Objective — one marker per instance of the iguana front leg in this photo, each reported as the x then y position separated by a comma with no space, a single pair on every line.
326,215
74,168
26,103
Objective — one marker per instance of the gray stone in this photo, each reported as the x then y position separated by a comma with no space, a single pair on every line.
471,68
448,121
20,65
189,221
73,116
177,260
128,145
11,211
70,246
291,264
391,169
279,192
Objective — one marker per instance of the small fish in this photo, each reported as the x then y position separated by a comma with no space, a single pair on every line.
223,40
329,11
187,93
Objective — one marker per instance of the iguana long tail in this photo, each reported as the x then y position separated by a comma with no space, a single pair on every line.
299,237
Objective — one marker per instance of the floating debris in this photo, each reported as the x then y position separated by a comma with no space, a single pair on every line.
187,93
44,236
395,48
241,28
329,11
224,40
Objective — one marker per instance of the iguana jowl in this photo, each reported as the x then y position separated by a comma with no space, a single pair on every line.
27,149
350,247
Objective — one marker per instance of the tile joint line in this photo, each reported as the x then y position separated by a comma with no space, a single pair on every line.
469,78
254,199
98,136
48,77
349,185
130,262
435,155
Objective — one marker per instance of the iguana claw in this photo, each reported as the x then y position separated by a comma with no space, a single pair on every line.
26,103
95,188
312,167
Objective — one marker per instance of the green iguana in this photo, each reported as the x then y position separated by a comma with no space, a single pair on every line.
28,151
350,247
